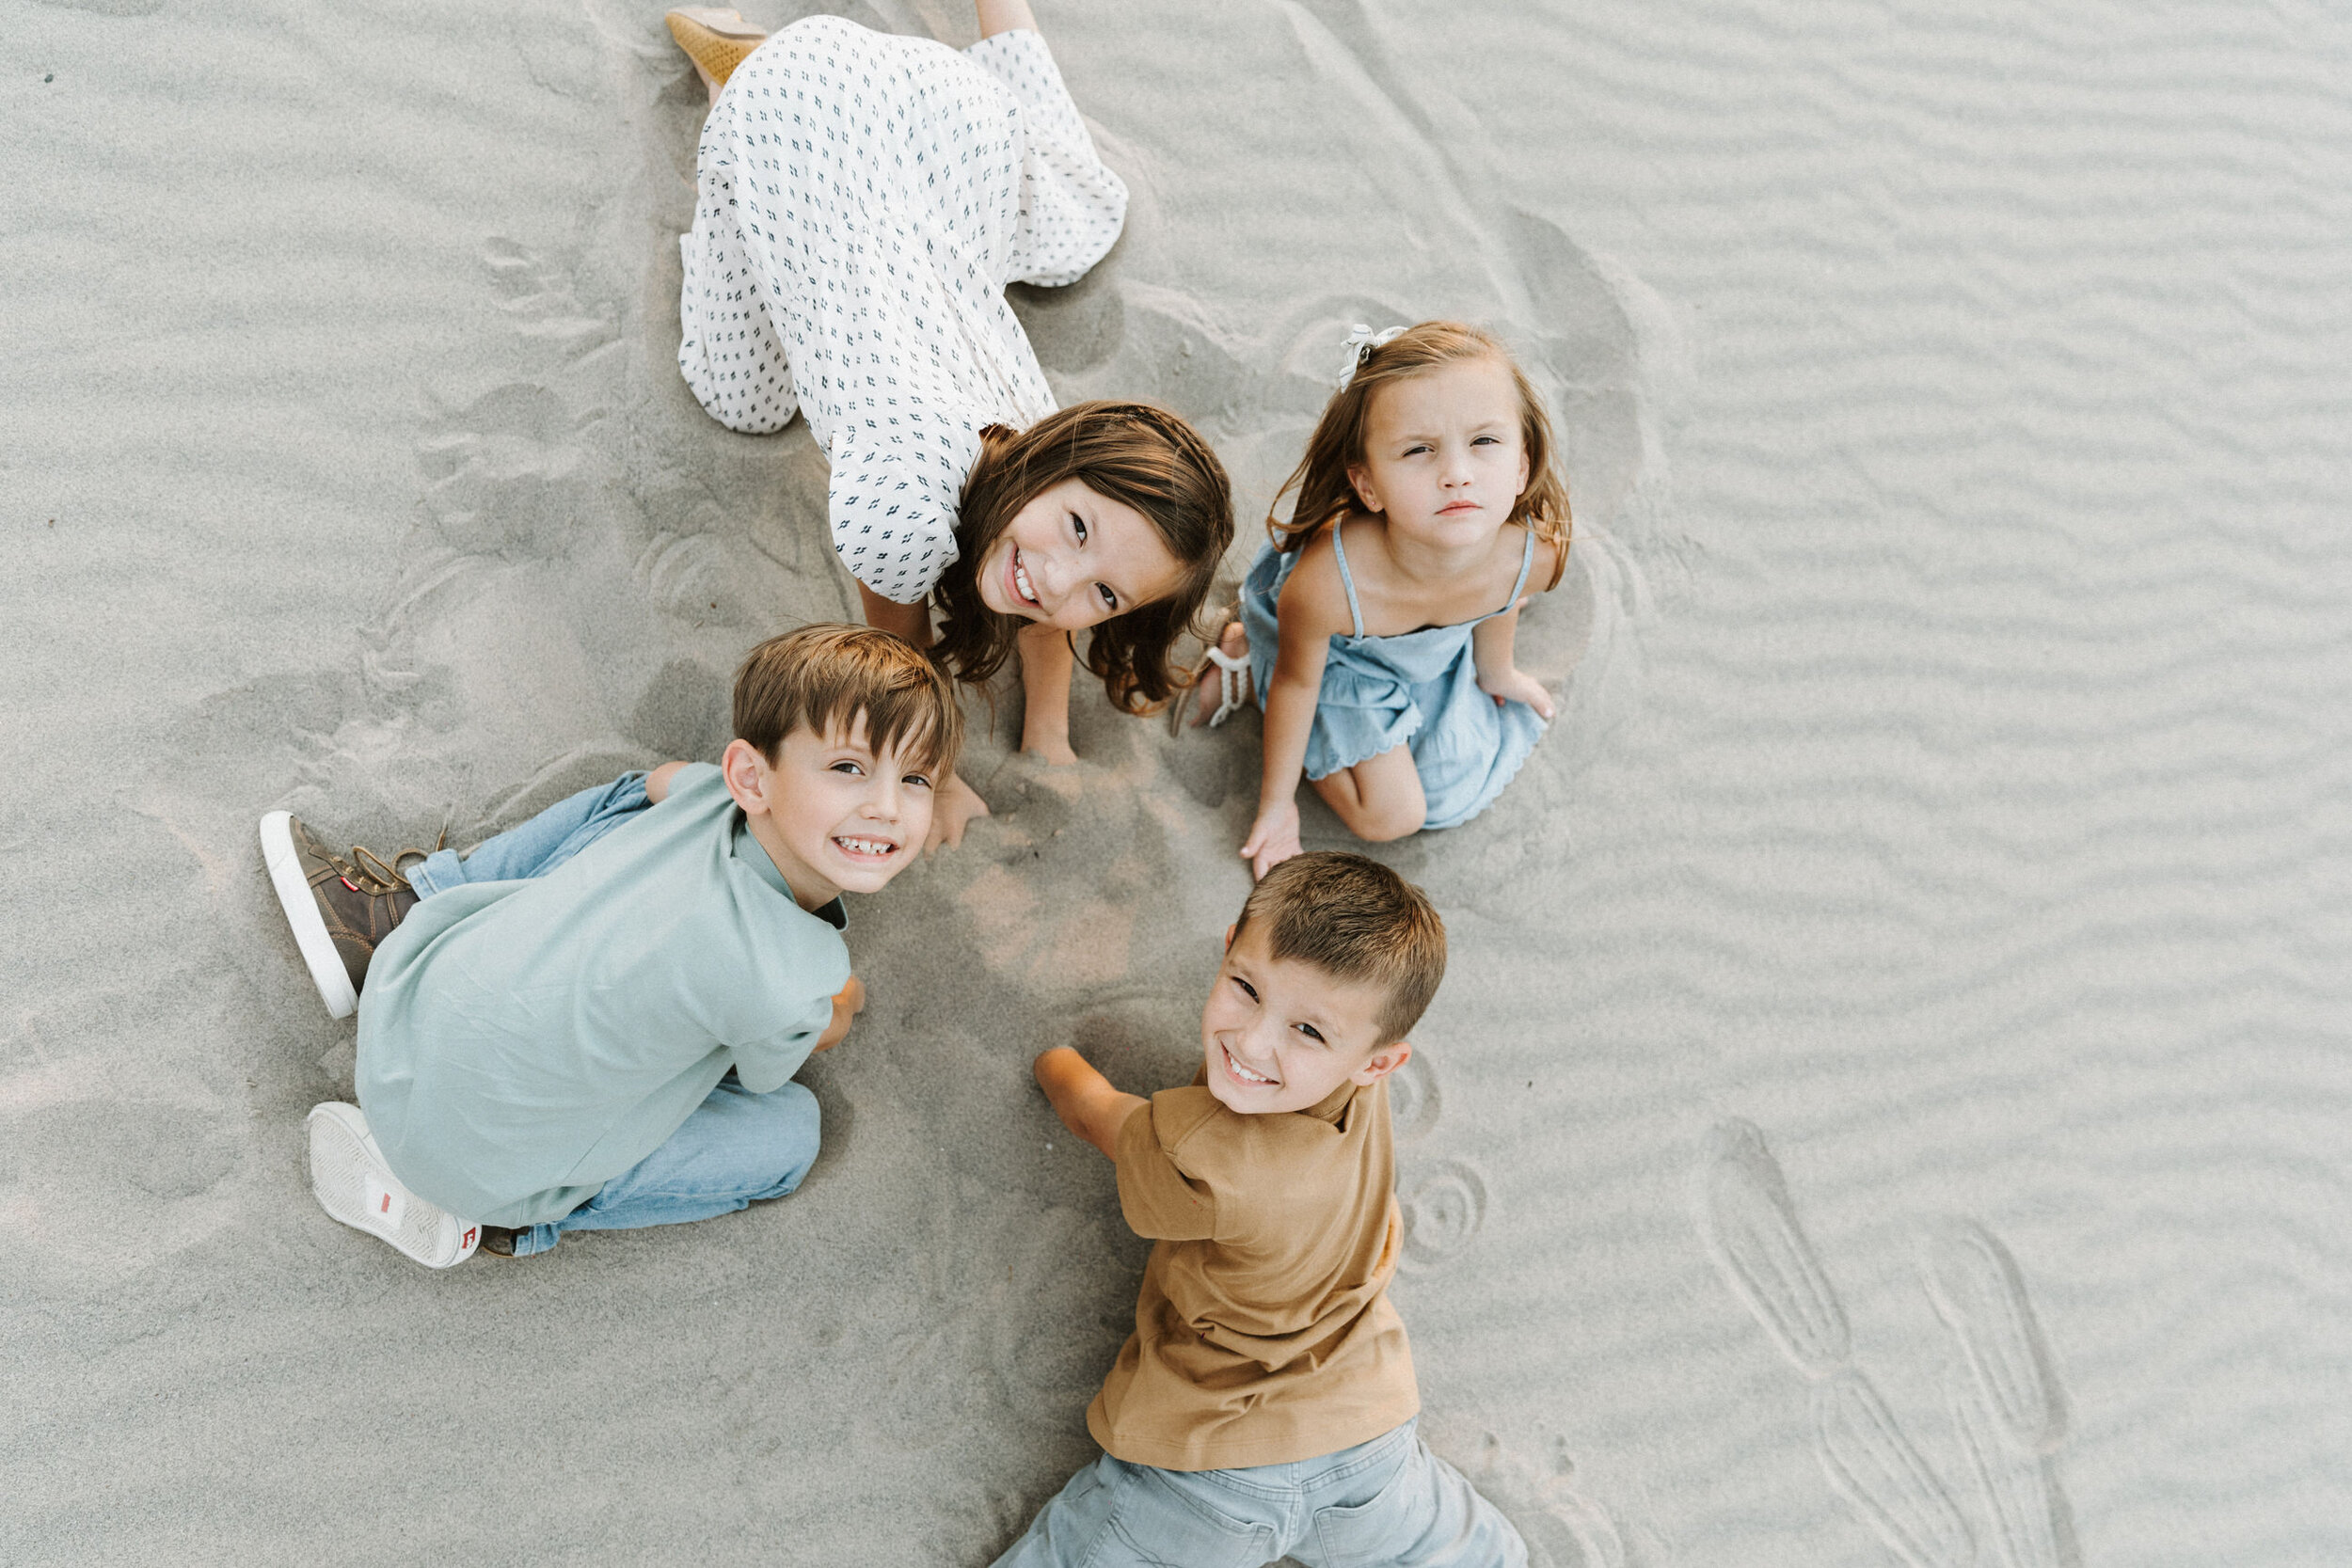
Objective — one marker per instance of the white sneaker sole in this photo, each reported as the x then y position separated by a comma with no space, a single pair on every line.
302,912
354,1184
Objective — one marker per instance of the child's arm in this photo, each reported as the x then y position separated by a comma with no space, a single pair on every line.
1498,677
847,1004
658,783
1003,16
1084,1099
1047,662
1491,651
912,622
1312,609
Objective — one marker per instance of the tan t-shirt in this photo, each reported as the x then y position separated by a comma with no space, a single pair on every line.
1263,1332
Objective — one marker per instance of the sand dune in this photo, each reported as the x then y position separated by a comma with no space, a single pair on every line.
1888,1103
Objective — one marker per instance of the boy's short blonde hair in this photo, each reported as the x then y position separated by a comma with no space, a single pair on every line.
822,677
1358,921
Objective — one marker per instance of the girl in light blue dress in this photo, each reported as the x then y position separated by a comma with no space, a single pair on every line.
1378,621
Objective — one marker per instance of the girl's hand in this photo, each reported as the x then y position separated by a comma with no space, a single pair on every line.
1514,686
1054,750
1273,838
957,805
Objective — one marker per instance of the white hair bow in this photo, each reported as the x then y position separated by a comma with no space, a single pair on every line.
1362,339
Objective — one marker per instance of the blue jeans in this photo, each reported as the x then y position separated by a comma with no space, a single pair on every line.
736,1148
540,844
1387,1502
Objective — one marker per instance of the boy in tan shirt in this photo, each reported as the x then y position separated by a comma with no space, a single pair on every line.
1265,1402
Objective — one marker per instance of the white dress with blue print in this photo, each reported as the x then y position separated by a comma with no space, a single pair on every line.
862,200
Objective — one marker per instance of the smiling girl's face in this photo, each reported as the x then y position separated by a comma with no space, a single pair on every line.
1073,559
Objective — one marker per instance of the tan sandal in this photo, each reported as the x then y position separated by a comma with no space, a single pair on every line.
714,38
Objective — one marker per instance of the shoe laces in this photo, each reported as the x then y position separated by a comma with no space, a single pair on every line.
372,874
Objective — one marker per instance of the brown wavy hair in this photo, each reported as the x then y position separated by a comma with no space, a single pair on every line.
821,678
1130,452
1326,494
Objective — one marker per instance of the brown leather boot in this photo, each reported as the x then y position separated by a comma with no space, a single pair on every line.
341,910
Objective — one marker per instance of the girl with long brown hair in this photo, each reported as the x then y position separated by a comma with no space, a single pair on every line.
863,199
1378,621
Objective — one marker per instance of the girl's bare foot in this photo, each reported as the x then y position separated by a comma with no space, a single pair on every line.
1224,683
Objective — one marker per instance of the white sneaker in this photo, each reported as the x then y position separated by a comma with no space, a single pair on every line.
355,1185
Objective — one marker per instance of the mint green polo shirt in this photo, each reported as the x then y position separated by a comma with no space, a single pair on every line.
523,1043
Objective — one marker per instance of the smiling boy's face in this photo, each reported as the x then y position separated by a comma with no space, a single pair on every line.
1281,1033
834,814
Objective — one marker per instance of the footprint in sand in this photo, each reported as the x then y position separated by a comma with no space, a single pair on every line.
1874,1466
507,475
2006,1403
1982,1298
1751,1228
2032,1524
2007,1407
544,296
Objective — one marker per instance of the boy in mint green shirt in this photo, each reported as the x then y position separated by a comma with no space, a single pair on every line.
592,1023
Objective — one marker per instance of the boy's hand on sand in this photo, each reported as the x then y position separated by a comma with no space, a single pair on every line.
1086,1101
958,804
1054,754
1516,686
1273,838
848,1003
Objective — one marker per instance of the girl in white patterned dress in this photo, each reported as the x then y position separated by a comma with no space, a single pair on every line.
862,201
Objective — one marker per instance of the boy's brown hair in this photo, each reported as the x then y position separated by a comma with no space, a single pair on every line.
1358,921
1324,490
822,677
1130,452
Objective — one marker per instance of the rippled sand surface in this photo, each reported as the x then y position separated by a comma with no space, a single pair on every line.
1890,1104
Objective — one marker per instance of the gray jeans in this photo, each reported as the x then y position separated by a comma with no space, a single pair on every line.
1389,1503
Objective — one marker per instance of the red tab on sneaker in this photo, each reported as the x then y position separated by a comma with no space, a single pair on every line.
387,1203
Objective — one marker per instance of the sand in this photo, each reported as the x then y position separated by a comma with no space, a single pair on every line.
1888,1103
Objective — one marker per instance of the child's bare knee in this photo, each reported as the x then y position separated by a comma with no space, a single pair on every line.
1383,822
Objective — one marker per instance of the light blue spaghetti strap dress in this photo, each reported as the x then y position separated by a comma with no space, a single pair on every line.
1417,687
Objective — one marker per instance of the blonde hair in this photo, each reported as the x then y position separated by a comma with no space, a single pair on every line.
820,678
1326,493
1358,921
